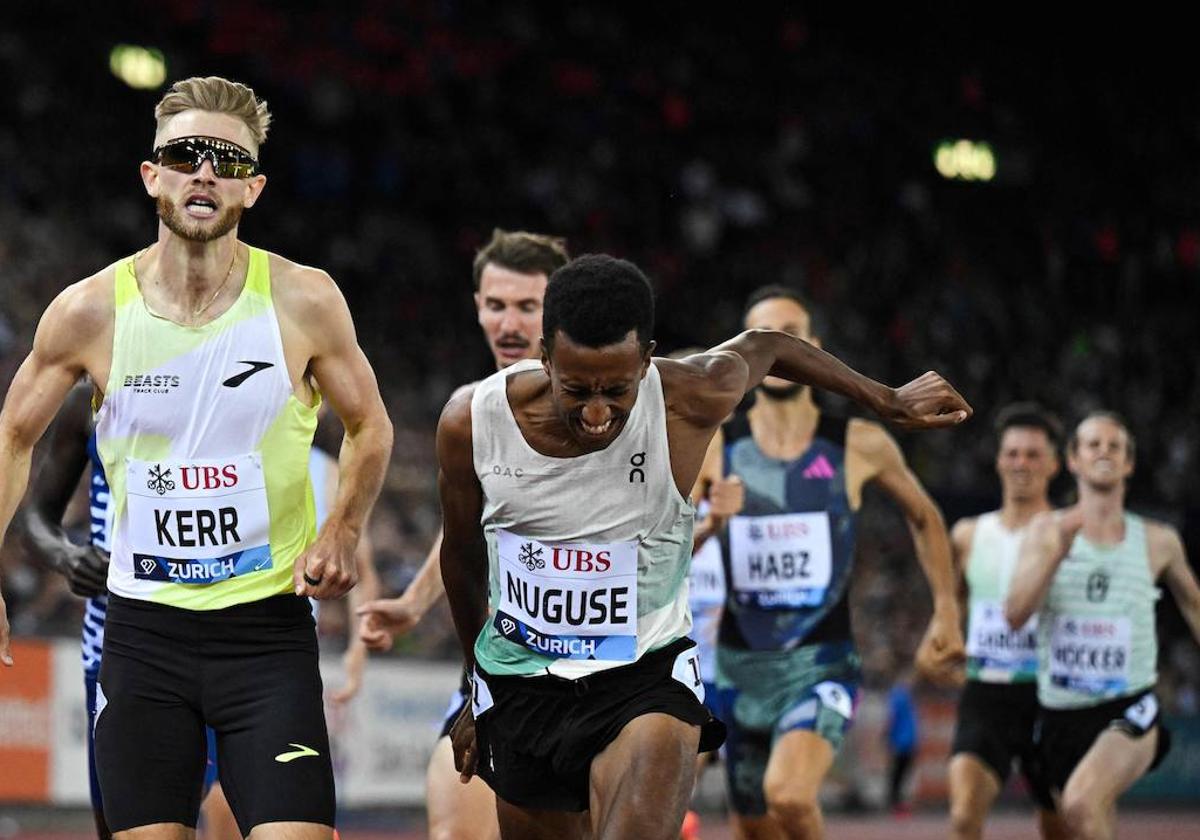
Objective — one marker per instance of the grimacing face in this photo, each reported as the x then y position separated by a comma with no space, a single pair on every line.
595,388
1026,463
1100,456
201,207
783,315
509,305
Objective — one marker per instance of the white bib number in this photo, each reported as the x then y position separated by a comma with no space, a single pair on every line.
996,650
783,561
197,521
568,600
1091,655
706,584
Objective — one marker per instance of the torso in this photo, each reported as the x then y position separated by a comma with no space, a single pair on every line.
995,652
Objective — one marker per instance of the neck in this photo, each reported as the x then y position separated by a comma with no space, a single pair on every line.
1016,513
189,272
1103,512
784,428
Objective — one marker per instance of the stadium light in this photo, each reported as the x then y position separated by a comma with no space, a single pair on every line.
143,68
965,160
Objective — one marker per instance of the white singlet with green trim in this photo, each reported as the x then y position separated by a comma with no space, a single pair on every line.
206,450
995,652
1096,636
587,556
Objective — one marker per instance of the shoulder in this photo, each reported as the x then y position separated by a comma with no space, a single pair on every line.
301,290
704,387
455,422
1162,540
963,533
79,314
872,442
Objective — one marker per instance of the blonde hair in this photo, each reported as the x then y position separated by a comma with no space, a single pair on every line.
221,96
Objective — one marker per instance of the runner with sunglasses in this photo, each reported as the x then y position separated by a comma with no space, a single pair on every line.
210,359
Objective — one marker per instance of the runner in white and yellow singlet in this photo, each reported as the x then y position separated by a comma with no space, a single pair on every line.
210,360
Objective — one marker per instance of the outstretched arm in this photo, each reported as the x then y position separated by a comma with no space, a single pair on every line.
926,402
464,554
383,619
941,651
1042,550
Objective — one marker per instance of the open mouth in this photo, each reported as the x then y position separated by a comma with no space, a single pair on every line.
202,206
597,431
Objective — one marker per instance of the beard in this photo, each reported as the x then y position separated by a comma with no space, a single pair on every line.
195,231
780,394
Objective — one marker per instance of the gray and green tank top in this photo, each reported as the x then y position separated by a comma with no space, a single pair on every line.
587,556
1096,637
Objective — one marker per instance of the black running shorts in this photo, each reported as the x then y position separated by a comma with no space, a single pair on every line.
995,724
248,671
1064,736
538,737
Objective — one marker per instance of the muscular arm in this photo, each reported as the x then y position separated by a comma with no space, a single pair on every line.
961,537
1170,559
1042,550
928,401
464,554
317,317
60,463
942,647
65,347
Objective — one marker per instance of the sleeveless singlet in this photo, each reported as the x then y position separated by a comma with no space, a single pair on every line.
789,554
1096,635
995,652
587,556
206,451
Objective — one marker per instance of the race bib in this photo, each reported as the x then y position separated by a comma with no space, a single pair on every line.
1091,655
686,670
197,521
781,562
706,584
481,695
995,651
568,600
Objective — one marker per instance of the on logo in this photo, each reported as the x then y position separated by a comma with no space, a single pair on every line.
1097,586
531,557
637,462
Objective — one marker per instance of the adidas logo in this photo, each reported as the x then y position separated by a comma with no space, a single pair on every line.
820,468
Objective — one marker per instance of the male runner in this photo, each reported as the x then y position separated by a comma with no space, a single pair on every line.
510,274
564,487
210,359
1090,571
998,707
786,662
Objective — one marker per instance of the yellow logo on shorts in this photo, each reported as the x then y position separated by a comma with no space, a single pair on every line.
300,752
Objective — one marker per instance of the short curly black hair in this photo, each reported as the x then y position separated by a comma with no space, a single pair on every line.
595,300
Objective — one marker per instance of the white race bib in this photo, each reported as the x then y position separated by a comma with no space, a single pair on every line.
783,561
994,650
197,521
686,670
706,584
1091,655
568,600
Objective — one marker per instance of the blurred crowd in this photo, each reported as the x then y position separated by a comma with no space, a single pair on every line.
718,152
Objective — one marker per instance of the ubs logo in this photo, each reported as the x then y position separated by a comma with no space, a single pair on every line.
637,474
160,480
1097,586
532,557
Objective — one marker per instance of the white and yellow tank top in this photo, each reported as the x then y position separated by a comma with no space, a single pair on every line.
206,449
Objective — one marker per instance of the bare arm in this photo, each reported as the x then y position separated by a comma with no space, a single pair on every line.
926,402
464,554
74,323
345,377
942,648
61,459
961,537
1168,554
1042,550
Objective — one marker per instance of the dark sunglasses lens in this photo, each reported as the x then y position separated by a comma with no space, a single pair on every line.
234,169
181,157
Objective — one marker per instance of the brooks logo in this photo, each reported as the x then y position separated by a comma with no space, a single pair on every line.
238,379
301,751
